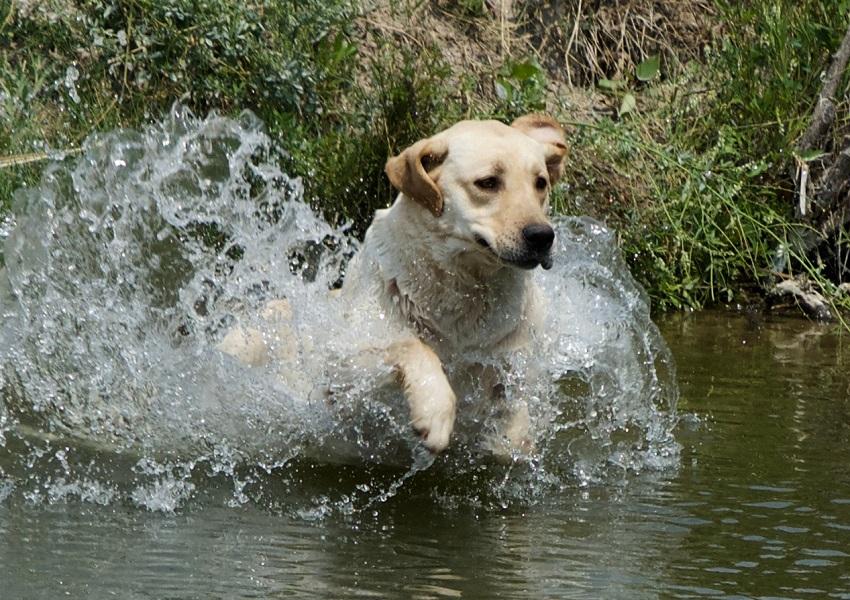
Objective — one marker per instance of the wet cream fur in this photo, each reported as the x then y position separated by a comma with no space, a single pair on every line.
424,258
444,259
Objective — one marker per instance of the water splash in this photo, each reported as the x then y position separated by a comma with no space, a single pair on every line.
126,265
70,81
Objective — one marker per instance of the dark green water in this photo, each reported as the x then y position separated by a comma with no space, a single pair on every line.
759,508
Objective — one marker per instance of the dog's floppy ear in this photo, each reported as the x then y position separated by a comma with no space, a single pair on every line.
409,172
548,132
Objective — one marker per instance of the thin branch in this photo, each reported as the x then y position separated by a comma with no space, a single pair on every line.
31,157
824,113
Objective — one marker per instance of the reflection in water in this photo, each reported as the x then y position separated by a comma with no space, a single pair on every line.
769,472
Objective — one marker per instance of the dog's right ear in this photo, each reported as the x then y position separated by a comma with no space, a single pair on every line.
410,173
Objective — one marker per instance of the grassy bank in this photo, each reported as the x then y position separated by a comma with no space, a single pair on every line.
691,161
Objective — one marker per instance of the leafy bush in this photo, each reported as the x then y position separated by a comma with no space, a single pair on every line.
409,96
690,166
67,69
337,114
521,88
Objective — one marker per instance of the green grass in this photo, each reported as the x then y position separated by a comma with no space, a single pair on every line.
699,184
772,61
69,69
693,226
695,179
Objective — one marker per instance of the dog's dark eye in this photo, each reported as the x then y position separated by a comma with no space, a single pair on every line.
540,183
488,183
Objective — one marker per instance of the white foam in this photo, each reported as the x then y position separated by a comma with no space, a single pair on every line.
127,264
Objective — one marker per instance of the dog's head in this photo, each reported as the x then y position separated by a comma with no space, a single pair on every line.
486,186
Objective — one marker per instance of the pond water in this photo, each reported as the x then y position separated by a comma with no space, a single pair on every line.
137,461
759,507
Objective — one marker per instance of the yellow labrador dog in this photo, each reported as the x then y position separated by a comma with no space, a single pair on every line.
451,260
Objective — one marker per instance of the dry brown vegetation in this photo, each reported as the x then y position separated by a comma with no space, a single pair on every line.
578,42
583,41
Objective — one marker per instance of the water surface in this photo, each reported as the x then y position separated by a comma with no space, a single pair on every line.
759,507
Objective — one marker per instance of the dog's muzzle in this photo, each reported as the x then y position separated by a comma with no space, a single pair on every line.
532,256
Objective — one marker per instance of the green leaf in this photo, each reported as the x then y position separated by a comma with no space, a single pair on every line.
648,69
524,70
611,84
812,154
757,169
628,105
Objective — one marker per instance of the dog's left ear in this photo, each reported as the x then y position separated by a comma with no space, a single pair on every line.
411,172
547,131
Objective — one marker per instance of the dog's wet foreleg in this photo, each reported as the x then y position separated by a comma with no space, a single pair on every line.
427,390
512,438
250,346
246,345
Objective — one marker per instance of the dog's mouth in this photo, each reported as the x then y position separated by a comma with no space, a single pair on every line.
523,261
530,262
482,242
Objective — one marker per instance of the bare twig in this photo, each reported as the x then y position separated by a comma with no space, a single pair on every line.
31,157
570,44
834,181
824,114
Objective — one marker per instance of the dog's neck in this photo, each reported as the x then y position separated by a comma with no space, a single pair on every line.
442,290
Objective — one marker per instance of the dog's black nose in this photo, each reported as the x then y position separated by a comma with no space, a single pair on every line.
538,236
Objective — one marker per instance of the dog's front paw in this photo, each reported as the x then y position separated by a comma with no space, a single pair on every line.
432,416
518,430
428,393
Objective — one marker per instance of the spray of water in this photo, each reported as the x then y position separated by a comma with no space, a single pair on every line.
125,267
